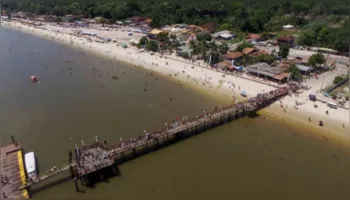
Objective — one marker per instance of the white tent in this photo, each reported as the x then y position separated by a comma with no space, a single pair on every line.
226,35
288,26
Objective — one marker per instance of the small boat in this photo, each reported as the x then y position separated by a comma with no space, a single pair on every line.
34,79
29,160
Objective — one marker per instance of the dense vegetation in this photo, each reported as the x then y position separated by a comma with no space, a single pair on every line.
322,24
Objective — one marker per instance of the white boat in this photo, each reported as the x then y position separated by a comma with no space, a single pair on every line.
29,160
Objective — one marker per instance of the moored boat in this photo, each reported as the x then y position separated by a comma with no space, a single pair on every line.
29,160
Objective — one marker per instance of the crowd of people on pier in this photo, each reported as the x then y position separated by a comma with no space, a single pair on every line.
247,104
4,180
92,159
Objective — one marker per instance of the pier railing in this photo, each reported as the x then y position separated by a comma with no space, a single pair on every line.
172,128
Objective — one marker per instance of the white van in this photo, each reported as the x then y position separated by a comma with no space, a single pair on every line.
332,105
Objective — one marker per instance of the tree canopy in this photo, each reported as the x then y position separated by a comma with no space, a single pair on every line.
244,45
338,79
251,16
203,37
143,40
295,73
152,45
283,51
317,59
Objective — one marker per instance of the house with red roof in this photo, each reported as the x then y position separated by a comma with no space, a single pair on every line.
286,40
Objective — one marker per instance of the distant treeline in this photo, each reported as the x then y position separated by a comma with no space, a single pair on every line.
322,24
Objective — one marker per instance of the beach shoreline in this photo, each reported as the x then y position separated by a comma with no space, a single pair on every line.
218,86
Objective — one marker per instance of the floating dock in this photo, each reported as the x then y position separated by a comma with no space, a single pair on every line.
12,172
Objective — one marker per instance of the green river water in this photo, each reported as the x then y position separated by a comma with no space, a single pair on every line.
77,99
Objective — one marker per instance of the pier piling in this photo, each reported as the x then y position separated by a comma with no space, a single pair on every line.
76,185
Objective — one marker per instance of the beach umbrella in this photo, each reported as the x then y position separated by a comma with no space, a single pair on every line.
124,45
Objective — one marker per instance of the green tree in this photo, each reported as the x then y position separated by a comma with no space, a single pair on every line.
265,36
225,26
317,59
40,9
299,7
143,40
266,58
203,37
163,37
58,10
283,51
237,17
223,48
295,73
74,8
307,38
152,45
8,15
244,45
215,58
193,46
338,79
202,48
102,21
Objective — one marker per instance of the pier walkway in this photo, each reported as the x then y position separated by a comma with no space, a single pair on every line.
94,157
12,172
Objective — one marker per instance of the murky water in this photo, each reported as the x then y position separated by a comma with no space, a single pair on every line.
77,99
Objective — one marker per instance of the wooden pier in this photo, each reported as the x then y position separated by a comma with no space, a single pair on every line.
12,172
93,158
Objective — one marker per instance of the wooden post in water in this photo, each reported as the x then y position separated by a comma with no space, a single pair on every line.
76,184
76,151
13,140
114,170
157,143
133,152
102,178
70,159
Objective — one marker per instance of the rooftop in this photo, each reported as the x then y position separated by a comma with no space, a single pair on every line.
281,76
247,50
264,69
226,35
223,65
217,34
253,36
288,26
184,49
233,55
209,26
304,68
155,31
285,39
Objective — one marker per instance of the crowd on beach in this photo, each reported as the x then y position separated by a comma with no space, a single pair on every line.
196,73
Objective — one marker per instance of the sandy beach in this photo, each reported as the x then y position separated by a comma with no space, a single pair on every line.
201,77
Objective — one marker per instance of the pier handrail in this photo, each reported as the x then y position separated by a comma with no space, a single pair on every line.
173,127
